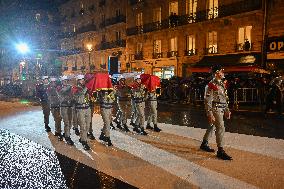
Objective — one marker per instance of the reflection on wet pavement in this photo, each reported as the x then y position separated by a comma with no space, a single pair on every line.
26,164
243,123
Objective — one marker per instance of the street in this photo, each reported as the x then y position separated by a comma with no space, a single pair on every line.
170,159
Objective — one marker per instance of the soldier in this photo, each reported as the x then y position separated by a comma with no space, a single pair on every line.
75,120
83,110
122,92
65,97
55,106
138,93
216,106
152,102
106,99
41,92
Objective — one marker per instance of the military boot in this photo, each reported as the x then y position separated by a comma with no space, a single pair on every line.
108,141
221,154
156,128
148,126
204,146
112,127
126,128
85,145
77,132
119,126
136,129
69,141
91,136
143,132
47,128
102,136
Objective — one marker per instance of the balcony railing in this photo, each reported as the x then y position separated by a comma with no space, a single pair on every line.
112,44
244,47
115,20
87,28
138,56
190,52
172,54
71,52
211,50
217,12
158,55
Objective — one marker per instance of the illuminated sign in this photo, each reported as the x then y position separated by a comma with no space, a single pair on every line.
275,44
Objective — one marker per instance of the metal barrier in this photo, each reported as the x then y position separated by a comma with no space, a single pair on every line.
197,95
246,95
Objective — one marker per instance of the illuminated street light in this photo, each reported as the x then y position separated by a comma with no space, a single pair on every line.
22,48
89,47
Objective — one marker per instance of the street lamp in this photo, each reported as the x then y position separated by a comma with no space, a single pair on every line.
22,48
89,47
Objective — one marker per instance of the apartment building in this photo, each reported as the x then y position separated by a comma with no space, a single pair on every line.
94,36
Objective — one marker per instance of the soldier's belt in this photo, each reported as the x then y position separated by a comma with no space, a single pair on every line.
123,98
106,107
82,107
65,106
220,107
214,102
54,107
138,100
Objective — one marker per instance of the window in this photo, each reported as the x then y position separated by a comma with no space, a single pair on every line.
118,35
173,44
190,45
117,12
139,48
244,40
212,10
173,8
191,6
212,42
74,28
157,15
157,46
139,19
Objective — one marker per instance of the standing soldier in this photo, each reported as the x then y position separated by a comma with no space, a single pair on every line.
122,91
152,102
106,99
65,97
82,105
138,93
55,106
41,91
216,106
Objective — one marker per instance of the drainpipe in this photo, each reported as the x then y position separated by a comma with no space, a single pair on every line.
264,34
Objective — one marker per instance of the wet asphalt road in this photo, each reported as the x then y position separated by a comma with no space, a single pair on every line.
249,123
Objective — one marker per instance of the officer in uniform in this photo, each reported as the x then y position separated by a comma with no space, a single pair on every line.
65,97
55,106
83,110
216,106
122,92
138,92
41,91
152,102
106,99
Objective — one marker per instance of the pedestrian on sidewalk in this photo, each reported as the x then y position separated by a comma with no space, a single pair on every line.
41,93
216,106
54,103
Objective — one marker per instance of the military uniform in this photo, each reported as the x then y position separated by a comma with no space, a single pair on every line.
152,103
65,97
123,101
83,110
54,103
138,93
41,90
106,99
216,106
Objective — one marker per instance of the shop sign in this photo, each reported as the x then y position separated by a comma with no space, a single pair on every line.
275,44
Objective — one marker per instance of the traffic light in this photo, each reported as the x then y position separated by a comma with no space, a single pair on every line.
24,77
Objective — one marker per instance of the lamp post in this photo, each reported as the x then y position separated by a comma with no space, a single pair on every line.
23,49
89,47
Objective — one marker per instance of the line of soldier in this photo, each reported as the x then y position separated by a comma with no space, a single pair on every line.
75,106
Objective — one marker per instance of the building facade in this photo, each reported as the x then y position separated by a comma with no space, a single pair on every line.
94,36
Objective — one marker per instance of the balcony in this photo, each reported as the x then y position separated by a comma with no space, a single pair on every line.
135,2
212,13
172,54
71,52
190,52
113,44
87,28
138,56
157,55
211,50
115,20
247,46
188,19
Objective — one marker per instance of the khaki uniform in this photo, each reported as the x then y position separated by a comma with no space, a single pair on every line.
138,94
123,102
216,104
133,111
152,102
42,95
65,97
106,104
83,110
54,103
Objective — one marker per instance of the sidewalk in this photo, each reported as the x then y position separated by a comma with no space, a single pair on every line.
170,159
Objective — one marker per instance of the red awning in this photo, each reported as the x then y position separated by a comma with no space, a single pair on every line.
254,69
